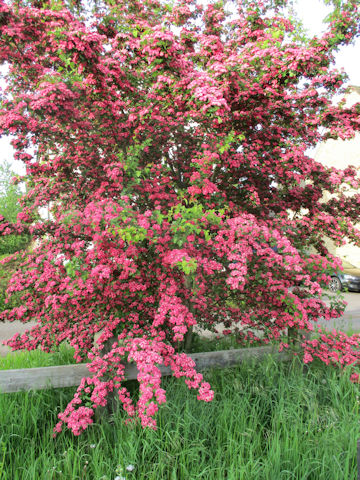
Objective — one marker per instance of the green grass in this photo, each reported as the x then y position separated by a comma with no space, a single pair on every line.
37,358
268,421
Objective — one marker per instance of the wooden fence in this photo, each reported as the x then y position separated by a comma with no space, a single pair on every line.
70,375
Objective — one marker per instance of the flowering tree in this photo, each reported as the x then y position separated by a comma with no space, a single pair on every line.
169,143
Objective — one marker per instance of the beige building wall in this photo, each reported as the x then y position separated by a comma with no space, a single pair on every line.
340,154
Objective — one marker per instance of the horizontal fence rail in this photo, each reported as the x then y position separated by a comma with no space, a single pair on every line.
71,375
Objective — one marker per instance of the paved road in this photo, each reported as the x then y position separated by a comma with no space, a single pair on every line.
350,321
8,330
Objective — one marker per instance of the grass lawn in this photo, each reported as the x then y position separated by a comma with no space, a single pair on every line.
268,421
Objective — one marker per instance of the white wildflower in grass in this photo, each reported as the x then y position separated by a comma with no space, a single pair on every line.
119,473
130,468
93,445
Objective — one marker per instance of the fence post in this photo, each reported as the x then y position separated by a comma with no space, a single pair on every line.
112,399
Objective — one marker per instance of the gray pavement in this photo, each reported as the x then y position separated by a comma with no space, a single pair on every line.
8,330
349,322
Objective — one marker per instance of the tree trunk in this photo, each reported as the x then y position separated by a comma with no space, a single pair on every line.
189,335
188,340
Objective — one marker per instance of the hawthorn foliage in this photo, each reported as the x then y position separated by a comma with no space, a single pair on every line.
169,140
10,195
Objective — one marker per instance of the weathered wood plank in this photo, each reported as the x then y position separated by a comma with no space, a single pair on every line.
43,377
71,375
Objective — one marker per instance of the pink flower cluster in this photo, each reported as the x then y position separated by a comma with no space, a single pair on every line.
109,374
334,348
